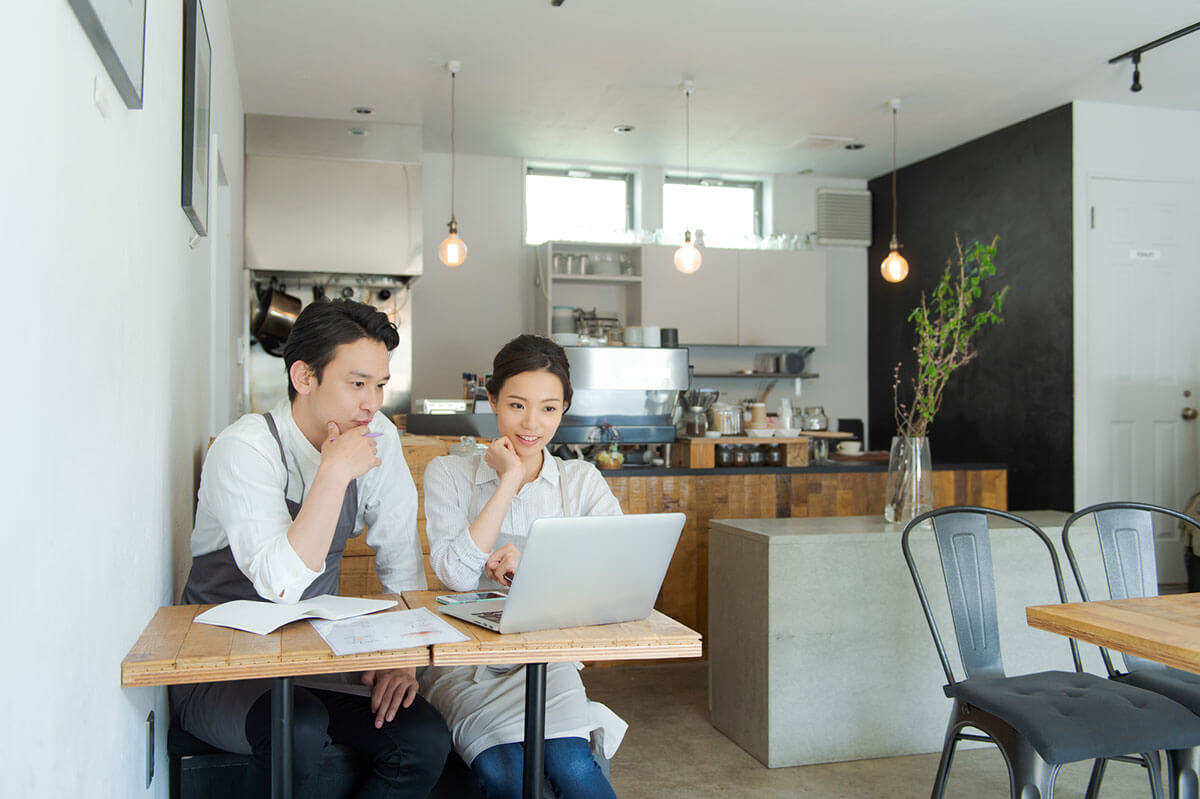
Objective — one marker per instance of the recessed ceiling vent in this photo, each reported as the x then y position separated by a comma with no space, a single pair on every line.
844,217
818,141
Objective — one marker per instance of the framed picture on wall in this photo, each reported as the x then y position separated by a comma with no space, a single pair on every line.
197,107
117,29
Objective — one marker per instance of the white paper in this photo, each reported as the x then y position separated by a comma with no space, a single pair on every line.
402,629
265,617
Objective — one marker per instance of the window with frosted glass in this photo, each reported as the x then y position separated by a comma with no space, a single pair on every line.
577,205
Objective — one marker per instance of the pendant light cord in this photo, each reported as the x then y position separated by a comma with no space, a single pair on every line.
893,174
453,76
687,147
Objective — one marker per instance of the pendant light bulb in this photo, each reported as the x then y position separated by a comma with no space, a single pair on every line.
894,268
687,257
452,251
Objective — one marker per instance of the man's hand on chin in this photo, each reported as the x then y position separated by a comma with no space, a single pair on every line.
391,689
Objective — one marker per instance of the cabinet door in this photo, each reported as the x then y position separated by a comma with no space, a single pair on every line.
703,305
781,298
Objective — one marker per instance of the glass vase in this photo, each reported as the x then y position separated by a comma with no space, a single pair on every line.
910,479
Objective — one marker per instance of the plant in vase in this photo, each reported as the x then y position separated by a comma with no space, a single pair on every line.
947,323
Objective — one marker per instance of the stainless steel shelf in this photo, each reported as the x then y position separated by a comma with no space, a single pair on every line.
755,375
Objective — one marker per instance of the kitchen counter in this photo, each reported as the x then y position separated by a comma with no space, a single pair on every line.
833,467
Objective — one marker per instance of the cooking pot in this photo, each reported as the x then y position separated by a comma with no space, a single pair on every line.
726,419
277,313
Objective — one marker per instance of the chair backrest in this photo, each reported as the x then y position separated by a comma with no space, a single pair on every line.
964,548
1126,531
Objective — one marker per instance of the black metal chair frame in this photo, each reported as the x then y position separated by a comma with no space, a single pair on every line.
1030,774
1121,582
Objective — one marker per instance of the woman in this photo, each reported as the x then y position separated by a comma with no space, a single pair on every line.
478,512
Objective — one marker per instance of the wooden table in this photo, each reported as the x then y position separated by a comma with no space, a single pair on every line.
173,650
655,637
1165,629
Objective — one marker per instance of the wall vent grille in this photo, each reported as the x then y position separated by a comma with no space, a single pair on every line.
844,217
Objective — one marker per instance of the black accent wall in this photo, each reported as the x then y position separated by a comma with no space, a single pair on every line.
1013,403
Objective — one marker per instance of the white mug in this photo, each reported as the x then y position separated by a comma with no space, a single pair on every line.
849,447
652,336
635,336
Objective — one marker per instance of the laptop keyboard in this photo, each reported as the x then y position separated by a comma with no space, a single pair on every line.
490,615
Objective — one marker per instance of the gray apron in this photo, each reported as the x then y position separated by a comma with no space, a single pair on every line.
216,712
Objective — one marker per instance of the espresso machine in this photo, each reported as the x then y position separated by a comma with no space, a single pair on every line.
627,394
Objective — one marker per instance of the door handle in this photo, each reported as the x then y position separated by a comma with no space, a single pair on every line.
1189,414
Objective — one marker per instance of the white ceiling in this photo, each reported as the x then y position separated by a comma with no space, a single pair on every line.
550,83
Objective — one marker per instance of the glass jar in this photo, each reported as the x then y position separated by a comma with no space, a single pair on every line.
755,455
815,418
695,423
724,455
774,455
740,456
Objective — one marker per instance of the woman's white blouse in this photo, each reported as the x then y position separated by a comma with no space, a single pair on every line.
457,488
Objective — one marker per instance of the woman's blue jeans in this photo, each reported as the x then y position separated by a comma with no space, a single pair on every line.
570,768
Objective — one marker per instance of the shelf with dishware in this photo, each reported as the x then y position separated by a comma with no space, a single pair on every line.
603,278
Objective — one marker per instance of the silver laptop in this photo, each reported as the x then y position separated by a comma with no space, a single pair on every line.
576,571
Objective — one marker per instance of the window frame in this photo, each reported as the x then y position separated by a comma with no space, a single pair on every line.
758,186
629,176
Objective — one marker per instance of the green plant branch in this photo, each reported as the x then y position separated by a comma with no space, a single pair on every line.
946,325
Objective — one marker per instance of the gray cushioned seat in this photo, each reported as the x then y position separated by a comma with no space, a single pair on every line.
1182,686
1070,716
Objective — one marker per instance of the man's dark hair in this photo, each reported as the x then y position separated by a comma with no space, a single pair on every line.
529,353
325,325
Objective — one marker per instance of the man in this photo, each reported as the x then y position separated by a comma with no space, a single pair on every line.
280,493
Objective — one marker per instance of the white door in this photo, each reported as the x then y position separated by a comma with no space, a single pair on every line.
781,298
702,305
1141,378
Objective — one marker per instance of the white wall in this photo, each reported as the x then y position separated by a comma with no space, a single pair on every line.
462,316
106,391
1119,141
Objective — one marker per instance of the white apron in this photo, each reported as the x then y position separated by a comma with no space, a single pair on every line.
484,706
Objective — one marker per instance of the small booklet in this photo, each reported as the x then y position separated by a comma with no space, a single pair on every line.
263,617
401,629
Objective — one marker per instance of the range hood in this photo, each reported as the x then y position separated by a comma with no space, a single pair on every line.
332,196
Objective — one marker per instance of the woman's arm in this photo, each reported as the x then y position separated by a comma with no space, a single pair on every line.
453,553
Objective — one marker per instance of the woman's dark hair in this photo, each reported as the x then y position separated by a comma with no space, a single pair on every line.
529,353
325,325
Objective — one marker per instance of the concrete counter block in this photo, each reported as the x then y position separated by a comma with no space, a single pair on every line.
818,648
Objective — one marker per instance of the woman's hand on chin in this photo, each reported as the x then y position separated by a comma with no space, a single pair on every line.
502,457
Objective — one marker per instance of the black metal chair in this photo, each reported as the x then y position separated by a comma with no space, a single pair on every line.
1126,535
1042,720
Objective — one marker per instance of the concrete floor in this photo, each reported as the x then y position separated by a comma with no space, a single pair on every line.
672,750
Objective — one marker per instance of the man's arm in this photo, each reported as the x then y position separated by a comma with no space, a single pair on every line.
390,514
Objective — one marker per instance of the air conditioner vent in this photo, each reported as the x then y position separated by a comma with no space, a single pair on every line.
844,217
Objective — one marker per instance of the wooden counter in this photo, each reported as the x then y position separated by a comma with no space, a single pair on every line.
855,489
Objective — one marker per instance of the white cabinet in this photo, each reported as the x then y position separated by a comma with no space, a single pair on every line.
781,298
763,298
702,305
603,277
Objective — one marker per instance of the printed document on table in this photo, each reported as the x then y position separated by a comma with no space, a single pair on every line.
401,629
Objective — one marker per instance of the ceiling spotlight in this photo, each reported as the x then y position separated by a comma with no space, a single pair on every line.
855,145
623,129
363,111
1136,86
1135,55
358,131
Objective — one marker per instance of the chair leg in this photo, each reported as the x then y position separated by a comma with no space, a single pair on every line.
1032,777
1093,786
948,747
1183,770
1154,769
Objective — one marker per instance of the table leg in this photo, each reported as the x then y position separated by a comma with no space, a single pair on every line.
281,738
535,729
